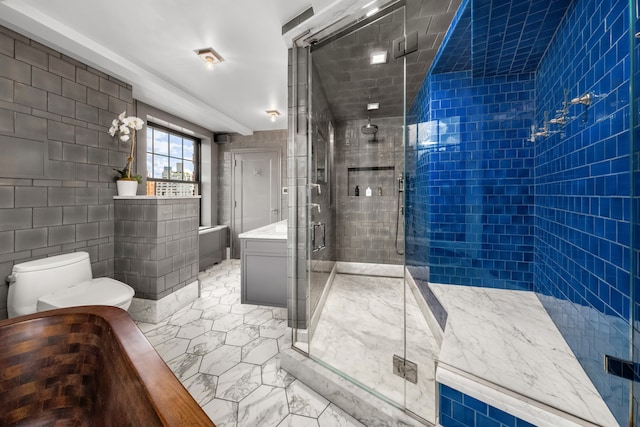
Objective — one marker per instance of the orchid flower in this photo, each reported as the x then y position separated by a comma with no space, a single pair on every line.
126,127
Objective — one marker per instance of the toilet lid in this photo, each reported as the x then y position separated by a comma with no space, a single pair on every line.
100,291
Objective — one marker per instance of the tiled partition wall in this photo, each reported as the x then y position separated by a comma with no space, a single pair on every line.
156,245
297,184
55,112
582,231
471,192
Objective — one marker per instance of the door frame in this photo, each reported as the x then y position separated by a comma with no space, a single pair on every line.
234,153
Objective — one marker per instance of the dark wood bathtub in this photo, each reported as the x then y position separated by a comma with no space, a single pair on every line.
87,366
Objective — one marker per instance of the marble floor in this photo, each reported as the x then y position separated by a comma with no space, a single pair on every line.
362,326
226,354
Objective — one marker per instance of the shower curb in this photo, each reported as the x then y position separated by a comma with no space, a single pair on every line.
365,407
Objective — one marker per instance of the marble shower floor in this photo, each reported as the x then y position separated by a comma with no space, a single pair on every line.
226,354
361,328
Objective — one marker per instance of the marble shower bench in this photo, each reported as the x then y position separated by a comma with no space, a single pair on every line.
502,348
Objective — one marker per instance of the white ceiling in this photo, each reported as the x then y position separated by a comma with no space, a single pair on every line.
150,44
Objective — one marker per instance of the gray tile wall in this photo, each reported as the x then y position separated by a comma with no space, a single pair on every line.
51,101
366,226
156,244
323,260
261,139
297,182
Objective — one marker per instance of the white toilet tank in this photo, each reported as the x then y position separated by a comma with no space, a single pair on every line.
34,279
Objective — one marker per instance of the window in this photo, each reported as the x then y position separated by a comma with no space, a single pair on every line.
172,162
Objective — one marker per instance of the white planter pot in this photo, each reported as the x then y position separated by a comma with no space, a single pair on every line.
126,187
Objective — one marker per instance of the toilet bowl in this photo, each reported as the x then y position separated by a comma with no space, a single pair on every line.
62,281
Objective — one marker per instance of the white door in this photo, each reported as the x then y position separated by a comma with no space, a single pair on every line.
255,192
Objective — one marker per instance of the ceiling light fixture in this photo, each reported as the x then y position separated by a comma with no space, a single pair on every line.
373,106
209,56
379,58
372,12
273,114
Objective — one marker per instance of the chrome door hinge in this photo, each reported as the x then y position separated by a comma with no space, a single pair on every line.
405,45
405,369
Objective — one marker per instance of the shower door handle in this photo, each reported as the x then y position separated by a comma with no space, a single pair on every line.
318,236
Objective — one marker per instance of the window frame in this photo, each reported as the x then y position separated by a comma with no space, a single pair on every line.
151,127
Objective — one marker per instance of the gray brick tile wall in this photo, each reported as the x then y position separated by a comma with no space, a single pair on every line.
47,96
46,81
73,90
86,112
6,89
33,238
31,55
27,197
61,105
30,96
61,131
15,70
148,245
45,217
7,242
6,45
29,126
7,122
97,99
109,87
64,67
89,80
6,197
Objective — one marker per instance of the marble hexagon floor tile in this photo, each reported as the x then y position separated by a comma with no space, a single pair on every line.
226,355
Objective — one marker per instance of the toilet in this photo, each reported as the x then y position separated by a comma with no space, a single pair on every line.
62,281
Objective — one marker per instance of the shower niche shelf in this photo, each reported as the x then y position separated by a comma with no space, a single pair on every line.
381,179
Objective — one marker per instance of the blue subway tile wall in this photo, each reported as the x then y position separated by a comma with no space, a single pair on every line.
583,208
460,410
473,188
456,56
511,37
570,190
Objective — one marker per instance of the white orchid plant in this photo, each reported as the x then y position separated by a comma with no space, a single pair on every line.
125,128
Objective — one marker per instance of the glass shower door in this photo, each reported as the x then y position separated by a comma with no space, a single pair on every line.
355,243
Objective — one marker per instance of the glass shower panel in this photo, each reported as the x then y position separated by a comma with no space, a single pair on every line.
356,244
634,40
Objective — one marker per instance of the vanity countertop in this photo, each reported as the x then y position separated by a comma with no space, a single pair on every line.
274,231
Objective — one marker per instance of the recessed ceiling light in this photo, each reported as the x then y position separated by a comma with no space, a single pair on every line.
378,58
209,56
273,114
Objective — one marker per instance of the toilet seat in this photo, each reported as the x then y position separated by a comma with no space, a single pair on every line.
100,291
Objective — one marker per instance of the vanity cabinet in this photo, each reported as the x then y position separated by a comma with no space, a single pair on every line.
263,254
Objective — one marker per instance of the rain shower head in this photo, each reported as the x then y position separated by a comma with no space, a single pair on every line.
369,129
